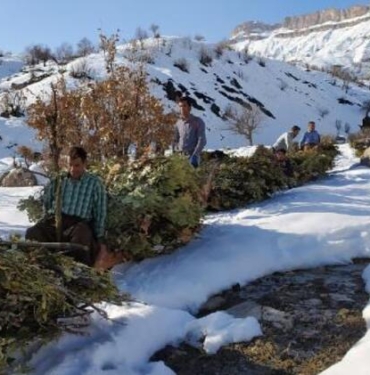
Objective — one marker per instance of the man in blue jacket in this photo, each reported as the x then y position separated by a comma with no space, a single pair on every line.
190,135
311,138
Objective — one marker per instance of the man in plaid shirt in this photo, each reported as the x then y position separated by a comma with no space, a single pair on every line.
84,209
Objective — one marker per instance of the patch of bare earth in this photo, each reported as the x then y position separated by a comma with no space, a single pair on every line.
309,318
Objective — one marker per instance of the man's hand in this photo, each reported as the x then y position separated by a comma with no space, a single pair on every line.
107,259
194,161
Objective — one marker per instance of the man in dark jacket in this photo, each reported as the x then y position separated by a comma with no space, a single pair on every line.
190,136
84,208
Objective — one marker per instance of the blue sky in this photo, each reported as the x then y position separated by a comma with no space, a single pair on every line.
50,22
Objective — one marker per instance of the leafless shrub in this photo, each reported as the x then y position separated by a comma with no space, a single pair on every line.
323,111
81,70
338,125
38,53
12,103
199,38
240,74
182,64
141,35
155,30
85,47
261,61
245,55
221,47
108,44
282,85
230,112
205,56
64,53
247,123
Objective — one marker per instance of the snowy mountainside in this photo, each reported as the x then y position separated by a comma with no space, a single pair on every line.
285,94
323,39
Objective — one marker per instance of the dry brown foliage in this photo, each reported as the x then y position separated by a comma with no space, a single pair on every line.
104,117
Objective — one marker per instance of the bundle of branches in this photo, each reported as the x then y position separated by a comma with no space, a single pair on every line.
154,206
241,180
33,207
38,289
313,164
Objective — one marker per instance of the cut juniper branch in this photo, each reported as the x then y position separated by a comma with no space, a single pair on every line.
64,246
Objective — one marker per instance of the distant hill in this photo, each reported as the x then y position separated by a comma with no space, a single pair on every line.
322,39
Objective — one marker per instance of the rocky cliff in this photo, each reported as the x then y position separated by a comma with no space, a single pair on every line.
253,28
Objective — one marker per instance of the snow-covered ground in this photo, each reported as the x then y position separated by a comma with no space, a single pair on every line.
327,222
344,43
291,95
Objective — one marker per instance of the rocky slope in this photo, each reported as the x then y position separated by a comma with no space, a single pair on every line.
323,39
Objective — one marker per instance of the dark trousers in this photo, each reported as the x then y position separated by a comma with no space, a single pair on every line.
74,230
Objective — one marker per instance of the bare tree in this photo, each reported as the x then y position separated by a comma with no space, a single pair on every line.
36,53
247,123
155,30
64,53
141,35
85,47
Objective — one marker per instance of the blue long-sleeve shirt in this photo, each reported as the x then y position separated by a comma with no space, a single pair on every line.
190,135
310,138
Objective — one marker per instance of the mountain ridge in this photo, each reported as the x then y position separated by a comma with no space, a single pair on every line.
303,21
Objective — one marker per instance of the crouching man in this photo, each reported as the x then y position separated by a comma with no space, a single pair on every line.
84,209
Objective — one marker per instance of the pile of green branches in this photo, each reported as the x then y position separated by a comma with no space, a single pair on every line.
238,181
154,206
314,164
37,289
242,180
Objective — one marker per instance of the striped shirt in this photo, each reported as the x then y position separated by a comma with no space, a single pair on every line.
85,198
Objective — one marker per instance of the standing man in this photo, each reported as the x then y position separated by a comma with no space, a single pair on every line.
190,133
311,138
84,209
285,141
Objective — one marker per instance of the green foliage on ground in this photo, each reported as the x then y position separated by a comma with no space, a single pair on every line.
38,288
311,165
242,180
33,207
154,206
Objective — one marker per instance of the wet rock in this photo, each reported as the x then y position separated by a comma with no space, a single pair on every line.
245,309
213,303
303,332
